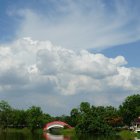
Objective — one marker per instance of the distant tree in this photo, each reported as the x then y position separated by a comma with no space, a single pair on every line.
92,120
4,106
5,114
84,107
34,117
112,117
46,118
19,118
75,116
130,108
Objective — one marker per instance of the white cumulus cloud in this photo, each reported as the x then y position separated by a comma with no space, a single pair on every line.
41,73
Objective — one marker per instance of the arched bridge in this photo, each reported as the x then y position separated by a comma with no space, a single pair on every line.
56,124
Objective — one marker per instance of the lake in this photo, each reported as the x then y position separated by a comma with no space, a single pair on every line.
45,136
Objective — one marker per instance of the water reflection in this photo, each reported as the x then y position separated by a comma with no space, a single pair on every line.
49,136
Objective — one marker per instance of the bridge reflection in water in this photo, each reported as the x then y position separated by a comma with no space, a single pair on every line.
49,136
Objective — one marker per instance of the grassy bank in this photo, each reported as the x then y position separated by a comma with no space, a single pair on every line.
69,132
126,134
21,130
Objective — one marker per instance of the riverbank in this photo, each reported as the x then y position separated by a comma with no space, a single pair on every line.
127,134
21,130
124,134
69,132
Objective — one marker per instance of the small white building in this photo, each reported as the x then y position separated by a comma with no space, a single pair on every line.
137,125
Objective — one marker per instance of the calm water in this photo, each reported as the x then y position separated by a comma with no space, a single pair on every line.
22,136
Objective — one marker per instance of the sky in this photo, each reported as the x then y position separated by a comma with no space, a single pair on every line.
58,53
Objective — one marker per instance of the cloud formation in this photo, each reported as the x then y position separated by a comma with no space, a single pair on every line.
40,73
82,24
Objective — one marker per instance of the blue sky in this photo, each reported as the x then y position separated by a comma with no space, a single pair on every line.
10,21
130,51
56,52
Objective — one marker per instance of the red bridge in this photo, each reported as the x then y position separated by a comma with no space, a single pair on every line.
56,124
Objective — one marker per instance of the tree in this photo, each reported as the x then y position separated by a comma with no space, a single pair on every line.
93,121
112,116
130,108
5,114
84,107
46,118
19,118
75,117
4,106
34,117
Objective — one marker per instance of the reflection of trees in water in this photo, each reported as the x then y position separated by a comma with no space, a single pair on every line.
49,136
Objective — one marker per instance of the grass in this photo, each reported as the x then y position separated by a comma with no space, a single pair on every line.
127,135
69,132
21,130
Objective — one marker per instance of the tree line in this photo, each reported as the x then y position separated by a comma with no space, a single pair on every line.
86,118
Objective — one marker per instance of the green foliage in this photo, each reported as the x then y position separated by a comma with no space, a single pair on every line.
75,117
126,134
4,106
130,108
93,120
5,114
84,107
46,118
85,119
34,117
18,118
68,132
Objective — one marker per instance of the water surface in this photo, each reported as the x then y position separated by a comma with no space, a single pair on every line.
45,136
